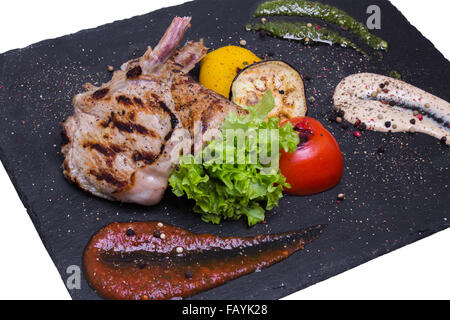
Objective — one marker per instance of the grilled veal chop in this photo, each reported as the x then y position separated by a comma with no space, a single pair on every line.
119,142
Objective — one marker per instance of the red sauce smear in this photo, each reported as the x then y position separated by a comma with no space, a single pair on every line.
151,260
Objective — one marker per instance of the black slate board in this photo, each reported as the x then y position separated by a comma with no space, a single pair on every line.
392,199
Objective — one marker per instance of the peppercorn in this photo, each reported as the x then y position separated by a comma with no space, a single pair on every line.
339,120
130,233
382,85
188,274
362,126
392,103
412,121
308,77
341,113
381,150
444,140
341,197
332,118
357,123
357,134
110,68
157,234
344,126
387,124
281,91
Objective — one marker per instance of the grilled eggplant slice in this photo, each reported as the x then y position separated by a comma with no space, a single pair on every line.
283,80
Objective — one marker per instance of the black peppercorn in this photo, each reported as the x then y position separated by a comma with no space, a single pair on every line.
412,121
281,91
392,103
344,126
157,234
362,126
382,85
381,150
387,124
332,118
444,140
341,113
130,233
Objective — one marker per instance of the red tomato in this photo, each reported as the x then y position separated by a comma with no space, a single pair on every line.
317,165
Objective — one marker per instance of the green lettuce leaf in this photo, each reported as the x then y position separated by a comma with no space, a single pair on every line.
231,191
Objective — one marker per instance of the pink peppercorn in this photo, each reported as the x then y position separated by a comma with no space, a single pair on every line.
357,134
420,117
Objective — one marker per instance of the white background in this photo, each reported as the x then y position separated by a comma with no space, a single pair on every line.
419,271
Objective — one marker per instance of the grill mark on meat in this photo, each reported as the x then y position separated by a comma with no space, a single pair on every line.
99,94
124,100
138,102
132,116
173,120
146,157
173,117
106,176
134,73
107,150
131,127
128,127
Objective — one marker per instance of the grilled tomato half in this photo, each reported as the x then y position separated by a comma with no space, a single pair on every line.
317,165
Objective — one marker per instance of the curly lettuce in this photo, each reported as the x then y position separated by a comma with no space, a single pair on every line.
248,185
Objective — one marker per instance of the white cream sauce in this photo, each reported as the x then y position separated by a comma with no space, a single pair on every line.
390,105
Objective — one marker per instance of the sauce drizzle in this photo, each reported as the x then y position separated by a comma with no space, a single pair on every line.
150,260
313,9
390,105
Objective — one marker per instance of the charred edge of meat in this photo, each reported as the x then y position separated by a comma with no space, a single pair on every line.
105,176
64,137
146,157
134,73
100,94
